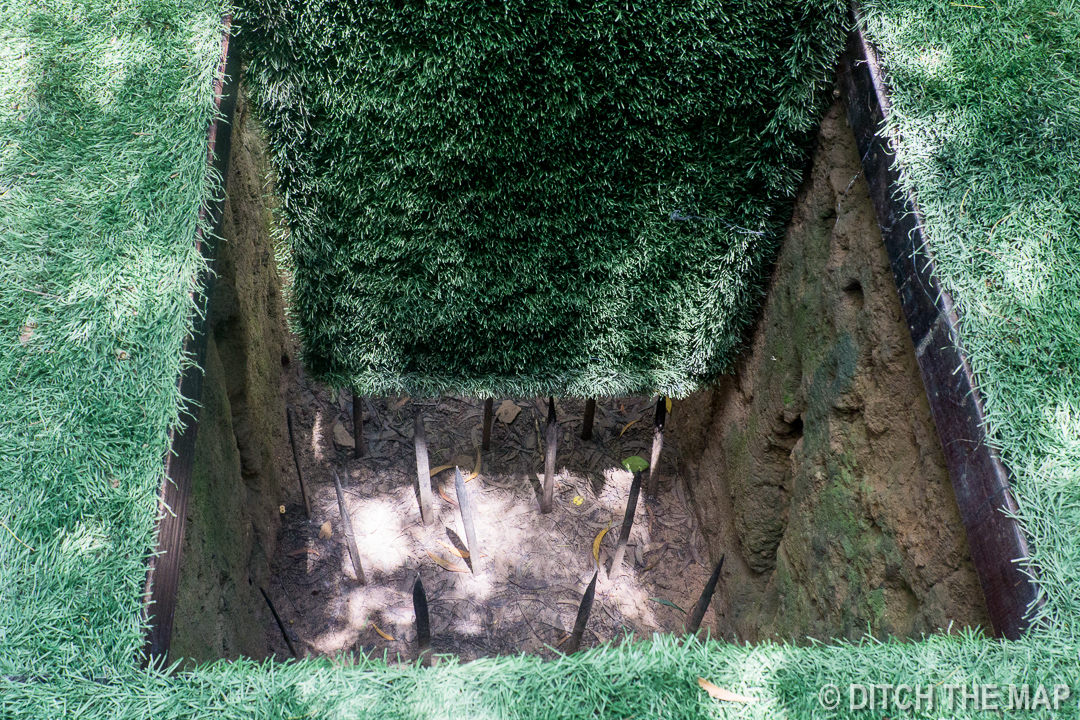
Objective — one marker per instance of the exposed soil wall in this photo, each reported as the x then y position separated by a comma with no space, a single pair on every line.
815,466
233,514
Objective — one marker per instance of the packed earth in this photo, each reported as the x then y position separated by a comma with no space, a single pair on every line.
521,593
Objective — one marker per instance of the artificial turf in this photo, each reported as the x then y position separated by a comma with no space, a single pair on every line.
543,198
97,264
104,108
987,118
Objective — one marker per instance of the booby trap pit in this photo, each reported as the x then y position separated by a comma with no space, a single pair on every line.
812,469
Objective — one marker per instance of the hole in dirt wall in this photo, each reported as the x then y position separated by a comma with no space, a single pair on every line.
815,466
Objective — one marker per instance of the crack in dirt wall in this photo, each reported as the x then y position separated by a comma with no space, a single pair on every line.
815,466
233,514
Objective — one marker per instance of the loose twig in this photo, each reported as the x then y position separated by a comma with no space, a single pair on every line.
17,537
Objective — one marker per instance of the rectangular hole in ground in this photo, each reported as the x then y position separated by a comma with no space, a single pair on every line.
814,468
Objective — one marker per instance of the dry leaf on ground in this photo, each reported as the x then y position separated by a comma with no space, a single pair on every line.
383,635
26,332
596,544
342,436
721,694
446,564
446,498
507,412
325,532
463,554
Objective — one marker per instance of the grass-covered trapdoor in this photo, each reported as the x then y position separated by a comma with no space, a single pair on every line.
535,197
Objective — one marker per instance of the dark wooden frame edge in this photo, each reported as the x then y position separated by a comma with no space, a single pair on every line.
980,480
163,567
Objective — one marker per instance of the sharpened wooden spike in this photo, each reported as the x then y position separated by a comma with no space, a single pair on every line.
423,623
350,541
547,499
574,644
423,471
657,445
358,424
587,421
703,601
627,523
296,460
466,509
485,441
281,625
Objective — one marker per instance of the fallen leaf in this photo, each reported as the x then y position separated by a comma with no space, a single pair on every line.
507,412
476,470
401,402
447,498
596,544
435,471
463,554
670,604
651,565
26,332
342,436
325,532
627,427
385,636
304,551
446,564
635,463
659,556
721,694
667,404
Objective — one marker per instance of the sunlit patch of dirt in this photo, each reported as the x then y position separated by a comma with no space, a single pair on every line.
532,568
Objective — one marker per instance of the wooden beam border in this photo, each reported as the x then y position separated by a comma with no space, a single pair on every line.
163,567
980,480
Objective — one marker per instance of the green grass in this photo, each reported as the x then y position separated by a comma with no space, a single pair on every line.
988,109
103,114
652,679
546,198
97,253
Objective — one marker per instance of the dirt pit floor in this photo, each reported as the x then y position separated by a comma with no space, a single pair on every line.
533,568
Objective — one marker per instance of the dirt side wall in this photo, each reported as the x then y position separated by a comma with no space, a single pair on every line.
816,467
233,512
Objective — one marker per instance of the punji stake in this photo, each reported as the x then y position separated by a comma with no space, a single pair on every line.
296,460
587,421
657,445
423,471
552,439
486,439
705,599
582,617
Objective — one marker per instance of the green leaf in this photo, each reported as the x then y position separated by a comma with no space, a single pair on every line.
635,464
670,604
